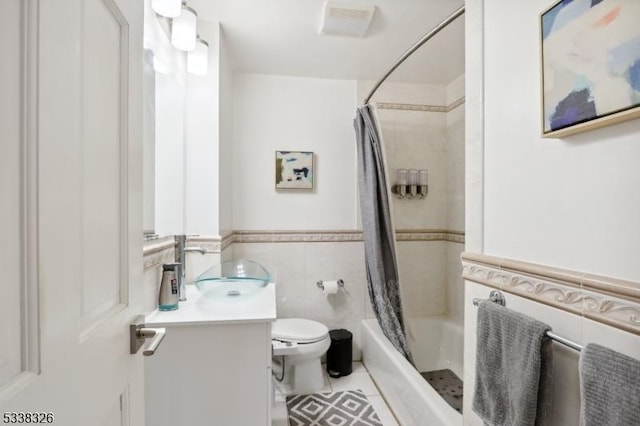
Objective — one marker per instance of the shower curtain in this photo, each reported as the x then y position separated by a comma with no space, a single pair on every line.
380,257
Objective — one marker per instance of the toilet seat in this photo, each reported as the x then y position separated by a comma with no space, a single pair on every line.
298,330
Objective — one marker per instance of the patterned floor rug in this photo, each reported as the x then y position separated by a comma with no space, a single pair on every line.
347,408
448,385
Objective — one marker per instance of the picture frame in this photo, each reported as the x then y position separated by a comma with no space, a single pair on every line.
294,170
589,64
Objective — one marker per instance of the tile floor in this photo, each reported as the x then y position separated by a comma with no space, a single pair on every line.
358,379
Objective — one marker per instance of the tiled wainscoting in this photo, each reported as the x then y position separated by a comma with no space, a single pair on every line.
428,261
582,307
610,301
297,266
155,253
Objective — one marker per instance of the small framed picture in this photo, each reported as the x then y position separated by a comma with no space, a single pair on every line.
294,170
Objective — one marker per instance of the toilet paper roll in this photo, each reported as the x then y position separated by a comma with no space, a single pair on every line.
330,287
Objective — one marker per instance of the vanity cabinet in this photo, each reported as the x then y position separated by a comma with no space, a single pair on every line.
214,365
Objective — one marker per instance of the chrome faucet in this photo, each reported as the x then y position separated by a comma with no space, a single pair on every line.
181,258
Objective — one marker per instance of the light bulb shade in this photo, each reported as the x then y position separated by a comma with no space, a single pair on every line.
198,58
168,8
183,29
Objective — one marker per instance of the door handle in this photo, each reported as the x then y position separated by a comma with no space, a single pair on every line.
138,333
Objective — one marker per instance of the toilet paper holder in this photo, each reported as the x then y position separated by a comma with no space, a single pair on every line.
320,284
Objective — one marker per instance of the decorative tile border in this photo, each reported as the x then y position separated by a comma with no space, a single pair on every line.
227,239
430,235
210,243
411,107
162,250
454,237
421,107
296,236
421,235
607,300
342,236
456,104
158,251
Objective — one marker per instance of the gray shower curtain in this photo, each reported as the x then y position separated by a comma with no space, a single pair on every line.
380,257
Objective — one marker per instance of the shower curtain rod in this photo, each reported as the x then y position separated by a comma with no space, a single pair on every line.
415,47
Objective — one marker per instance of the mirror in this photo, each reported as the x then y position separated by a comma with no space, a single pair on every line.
164,99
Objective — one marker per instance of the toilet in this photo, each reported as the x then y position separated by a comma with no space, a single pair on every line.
300,343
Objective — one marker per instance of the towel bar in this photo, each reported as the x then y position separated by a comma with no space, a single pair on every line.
496,297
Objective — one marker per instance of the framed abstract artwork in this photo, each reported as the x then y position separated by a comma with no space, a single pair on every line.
590,65
294,170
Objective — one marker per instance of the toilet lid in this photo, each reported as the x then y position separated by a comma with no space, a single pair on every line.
298,330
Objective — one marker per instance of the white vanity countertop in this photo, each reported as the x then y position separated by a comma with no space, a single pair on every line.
197,309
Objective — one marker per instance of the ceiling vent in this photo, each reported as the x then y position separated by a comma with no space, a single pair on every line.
346,19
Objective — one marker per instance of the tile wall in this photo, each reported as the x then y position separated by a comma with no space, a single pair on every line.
426,130
566,388
156,252
297,266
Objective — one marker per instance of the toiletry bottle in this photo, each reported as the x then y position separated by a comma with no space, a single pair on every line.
168,298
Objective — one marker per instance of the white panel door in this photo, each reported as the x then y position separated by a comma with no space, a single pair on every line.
70,211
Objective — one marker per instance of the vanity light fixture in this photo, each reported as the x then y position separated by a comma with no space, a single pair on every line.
411,184
167,8
198,58
183,29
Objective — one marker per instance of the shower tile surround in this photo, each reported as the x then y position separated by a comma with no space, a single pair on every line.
422,126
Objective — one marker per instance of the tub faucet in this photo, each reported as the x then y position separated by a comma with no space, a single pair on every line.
181,257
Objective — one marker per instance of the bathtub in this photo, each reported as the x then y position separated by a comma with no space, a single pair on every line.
436,343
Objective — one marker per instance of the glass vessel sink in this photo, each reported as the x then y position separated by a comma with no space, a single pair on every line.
233,278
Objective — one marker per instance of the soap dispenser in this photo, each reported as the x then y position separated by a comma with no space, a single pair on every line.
168,298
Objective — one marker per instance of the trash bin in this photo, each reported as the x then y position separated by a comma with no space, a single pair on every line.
340,353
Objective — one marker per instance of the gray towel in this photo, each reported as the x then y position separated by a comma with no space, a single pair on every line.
513,368
609,387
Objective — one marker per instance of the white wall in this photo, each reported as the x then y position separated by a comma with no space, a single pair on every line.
299,114
570,202
455,136
226,138
169,146
202,159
